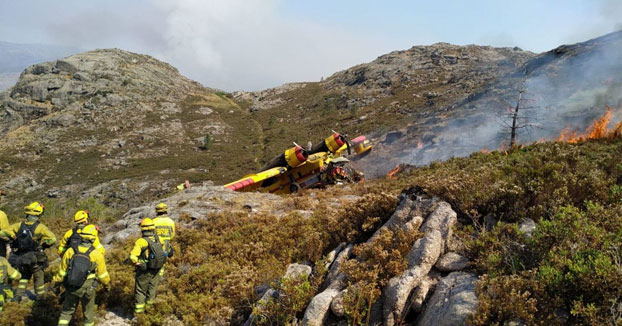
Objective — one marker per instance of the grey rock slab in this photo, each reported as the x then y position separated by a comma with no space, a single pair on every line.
451,261
297,271
454,299
318,309
421,258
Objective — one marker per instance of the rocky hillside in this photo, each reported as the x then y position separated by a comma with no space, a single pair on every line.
117,126
395,91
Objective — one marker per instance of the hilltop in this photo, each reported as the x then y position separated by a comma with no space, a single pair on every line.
117,126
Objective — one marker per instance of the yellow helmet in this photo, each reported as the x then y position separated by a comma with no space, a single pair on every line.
81,216
34,208
146,224
161,208
89,232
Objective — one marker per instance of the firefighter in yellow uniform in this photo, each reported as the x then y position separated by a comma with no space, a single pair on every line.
149,257
72,237
29,240
7,273
4,224
78,272
165,229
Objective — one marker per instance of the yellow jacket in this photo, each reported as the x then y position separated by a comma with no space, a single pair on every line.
4,221
140,251
65,241
4,224
7,272
42,234
97,260
165,228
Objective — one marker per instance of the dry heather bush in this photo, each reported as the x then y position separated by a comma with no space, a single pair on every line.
220,260
293,296
375,264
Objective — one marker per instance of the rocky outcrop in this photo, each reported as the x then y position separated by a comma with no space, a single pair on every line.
439,221
454,299
413,289
415,286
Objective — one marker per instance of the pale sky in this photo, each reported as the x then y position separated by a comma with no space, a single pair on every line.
256,44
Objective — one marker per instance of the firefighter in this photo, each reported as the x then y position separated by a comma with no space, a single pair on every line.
165,227
4,224
80,269
72,237
149,257
7,273
29,240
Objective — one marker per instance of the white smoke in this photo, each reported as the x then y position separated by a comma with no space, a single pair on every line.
232,45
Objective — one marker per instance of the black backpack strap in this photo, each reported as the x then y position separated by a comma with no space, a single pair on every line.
33,227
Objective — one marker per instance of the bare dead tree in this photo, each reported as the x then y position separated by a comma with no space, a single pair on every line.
519,115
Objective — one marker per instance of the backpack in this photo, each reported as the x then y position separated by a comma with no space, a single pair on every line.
79,269
75,239
156,256
24,239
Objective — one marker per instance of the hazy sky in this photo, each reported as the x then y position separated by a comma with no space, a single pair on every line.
256,44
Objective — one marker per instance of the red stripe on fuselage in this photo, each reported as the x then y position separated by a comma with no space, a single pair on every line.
241,184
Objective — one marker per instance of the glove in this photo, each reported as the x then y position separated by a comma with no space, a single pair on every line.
45,245
142,266
107,288
171,252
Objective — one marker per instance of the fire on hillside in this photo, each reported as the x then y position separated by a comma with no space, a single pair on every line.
597,130
604,127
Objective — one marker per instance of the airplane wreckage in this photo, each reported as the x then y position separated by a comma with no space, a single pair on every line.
299,168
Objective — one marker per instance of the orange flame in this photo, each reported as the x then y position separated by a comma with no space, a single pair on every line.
419,145
598,130
484,151
393,173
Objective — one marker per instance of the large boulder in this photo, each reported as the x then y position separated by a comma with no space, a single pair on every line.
454,299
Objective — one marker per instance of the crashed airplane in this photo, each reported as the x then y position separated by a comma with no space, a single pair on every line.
300,168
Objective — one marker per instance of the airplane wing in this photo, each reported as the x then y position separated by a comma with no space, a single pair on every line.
255,178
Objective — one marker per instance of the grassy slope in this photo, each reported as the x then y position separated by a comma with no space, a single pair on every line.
567,271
